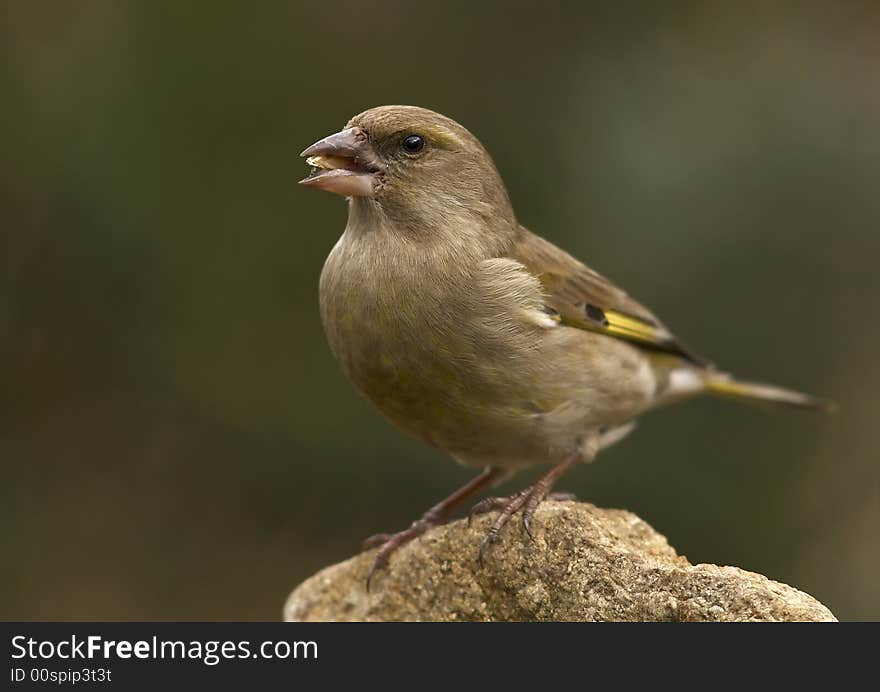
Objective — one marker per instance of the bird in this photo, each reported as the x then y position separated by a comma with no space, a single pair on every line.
476,335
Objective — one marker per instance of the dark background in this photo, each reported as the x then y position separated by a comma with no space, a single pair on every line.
176,440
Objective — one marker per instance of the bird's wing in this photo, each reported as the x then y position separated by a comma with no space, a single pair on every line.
584,299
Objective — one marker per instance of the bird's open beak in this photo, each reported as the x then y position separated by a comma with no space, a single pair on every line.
343,163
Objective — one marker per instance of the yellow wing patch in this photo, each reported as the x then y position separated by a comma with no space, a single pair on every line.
622,325
627,327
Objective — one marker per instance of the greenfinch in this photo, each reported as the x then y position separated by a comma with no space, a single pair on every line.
474,334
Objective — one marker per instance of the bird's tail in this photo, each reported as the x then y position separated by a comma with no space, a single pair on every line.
725,385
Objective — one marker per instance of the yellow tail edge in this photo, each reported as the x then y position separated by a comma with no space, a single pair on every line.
724,385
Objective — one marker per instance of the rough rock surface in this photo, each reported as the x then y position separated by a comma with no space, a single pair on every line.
585,563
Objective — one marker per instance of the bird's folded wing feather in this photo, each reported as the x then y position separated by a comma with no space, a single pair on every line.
584,299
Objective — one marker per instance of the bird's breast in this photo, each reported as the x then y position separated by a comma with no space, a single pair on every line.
393,320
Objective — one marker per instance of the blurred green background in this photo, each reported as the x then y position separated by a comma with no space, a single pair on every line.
176,440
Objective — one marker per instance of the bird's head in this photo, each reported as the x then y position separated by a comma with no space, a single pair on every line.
412,163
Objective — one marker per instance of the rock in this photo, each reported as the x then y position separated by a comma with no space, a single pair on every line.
585,563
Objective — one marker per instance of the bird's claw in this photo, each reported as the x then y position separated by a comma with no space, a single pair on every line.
379,562
390,542
376,540
490,537
527,524
487,505
508,506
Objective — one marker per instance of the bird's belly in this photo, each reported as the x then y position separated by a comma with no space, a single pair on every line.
430,391
486,408
445,369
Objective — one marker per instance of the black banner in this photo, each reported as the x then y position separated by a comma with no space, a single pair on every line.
274,655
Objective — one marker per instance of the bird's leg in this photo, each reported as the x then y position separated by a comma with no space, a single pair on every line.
526,501
438,514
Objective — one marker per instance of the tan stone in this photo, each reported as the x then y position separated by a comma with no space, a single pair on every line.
585,563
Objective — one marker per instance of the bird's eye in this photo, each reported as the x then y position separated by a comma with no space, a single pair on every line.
413,144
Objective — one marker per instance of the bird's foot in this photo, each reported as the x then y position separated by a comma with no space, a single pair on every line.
491,504
376,540
526,501
437,515
390,542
